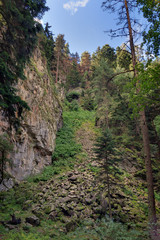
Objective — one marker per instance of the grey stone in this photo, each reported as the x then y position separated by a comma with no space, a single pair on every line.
6,184
33,220
88,200
53,215
73,178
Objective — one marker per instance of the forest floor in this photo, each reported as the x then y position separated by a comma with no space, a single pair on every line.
69,200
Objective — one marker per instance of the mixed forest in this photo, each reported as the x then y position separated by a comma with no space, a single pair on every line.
104,180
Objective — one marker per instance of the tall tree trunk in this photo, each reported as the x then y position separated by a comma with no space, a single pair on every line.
131,37
146,144
149,177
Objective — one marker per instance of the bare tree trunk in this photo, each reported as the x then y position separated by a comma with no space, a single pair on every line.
146,144
133,53
149,176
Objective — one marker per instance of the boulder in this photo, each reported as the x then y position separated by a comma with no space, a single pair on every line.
33,220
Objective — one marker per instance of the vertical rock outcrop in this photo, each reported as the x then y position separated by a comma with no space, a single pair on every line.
35,140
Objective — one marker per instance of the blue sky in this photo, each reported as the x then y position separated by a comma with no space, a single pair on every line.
83,23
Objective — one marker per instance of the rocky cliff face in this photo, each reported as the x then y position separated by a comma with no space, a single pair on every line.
35,140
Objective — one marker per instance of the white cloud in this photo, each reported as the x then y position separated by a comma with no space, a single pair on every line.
73,6
39,20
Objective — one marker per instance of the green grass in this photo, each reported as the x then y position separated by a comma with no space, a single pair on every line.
93,168
104,229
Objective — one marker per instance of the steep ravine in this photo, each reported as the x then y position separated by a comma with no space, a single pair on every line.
60,204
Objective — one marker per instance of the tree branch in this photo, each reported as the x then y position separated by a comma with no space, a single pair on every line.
119,74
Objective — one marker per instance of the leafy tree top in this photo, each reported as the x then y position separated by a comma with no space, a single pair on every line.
151,11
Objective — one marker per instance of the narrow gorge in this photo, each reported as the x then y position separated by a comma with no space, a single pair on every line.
79,134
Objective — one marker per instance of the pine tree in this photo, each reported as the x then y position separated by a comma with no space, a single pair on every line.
59,53
48,46
73,77
105,150
123,57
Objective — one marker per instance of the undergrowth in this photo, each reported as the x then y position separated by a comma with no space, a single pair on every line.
67,153
90,230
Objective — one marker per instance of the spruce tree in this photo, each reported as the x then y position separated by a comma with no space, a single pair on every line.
105,150
18,35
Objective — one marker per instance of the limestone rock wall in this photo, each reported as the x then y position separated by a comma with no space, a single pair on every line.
35,140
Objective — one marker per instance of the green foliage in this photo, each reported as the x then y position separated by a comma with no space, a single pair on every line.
5,148
73,106
66,147
67,150
105,149
108,53
104,146
48,45
157,124
151,11
99,230
88,102
19,37
123,58
73,77
45,175
101,82
105,229
75,119
72,95
26,236
144,90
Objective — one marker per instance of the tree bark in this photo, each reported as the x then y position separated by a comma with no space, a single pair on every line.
149,176
133,53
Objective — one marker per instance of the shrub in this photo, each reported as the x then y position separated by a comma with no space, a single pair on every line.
72,96
73,106
105,229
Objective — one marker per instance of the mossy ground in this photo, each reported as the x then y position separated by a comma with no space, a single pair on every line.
129,194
